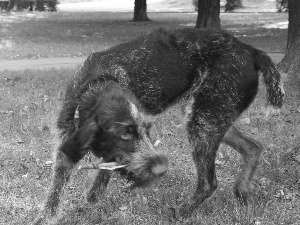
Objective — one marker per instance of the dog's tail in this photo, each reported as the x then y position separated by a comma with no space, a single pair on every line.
272,77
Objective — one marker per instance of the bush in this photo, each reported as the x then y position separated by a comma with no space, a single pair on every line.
282,5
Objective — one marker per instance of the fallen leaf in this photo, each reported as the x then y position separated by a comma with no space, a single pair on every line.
49,162
218,162
144,200
45,98
265,182
257,222
297,158
169,133
122,208
156,143
279,194
20,141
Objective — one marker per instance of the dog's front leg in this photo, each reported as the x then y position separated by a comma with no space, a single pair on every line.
70,151
95,185
61,174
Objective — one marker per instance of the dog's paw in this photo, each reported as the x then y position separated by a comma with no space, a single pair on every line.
44,219
90,197
186,209
241,195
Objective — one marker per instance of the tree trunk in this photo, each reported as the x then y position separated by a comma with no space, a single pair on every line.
208,14
10,5
140,10
52,6
19,5
40,5
291,60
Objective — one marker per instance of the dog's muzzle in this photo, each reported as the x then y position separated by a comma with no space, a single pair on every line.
147,164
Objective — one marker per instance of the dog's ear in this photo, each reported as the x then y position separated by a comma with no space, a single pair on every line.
77,145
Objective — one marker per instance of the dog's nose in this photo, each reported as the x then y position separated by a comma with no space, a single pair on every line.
159,170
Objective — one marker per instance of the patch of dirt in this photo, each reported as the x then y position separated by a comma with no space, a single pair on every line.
65,62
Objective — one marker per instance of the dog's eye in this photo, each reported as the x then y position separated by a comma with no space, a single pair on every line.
128,135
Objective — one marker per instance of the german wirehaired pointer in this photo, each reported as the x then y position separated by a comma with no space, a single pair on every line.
109,102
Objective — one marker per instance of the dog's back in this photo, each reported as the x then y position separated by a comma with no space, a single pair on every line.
161,66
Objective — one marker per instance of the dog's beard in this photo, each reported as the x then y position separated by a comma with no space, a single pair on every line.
137,182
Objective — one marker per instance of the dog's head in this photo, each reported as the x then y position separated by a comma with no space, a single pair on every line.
115,128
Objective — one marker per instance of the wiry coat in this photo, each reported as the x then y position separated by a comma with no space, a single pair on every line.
213,72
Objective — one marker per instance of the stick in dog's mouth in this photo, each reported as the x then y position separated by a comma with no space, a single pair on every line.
100,165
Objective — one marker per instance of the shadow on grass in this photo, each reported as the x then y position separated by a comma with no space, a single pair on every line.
63,34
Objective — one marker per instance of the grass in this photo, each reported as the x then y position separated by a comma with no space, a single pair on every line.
29,107
63,34
30,103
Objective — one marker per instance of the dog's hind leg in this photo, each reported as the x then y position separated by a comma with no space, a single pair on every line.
205,139
250,150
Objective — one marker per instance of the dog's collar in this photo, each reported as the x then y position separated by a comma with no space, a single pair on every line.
76,118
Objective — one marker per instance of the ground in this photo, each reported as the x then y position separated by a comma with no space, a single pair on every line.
30,100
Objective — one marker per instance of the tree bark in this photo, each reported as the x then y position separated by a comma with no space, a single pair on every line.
208,14
40,5
140,10
52,6
291,60
10,5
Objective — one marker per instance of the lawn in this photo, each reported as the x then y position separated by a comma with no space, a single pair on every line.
30,102
66,34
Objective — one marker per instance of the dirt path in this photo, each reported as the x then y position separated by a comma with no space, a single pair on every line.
43,63
64,62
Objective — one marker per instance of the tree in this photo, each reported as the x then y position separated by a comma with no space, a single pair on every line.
208,14
291,60
140,10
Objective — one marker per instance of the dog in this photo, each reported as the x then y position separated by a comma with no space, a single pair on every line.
109,104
